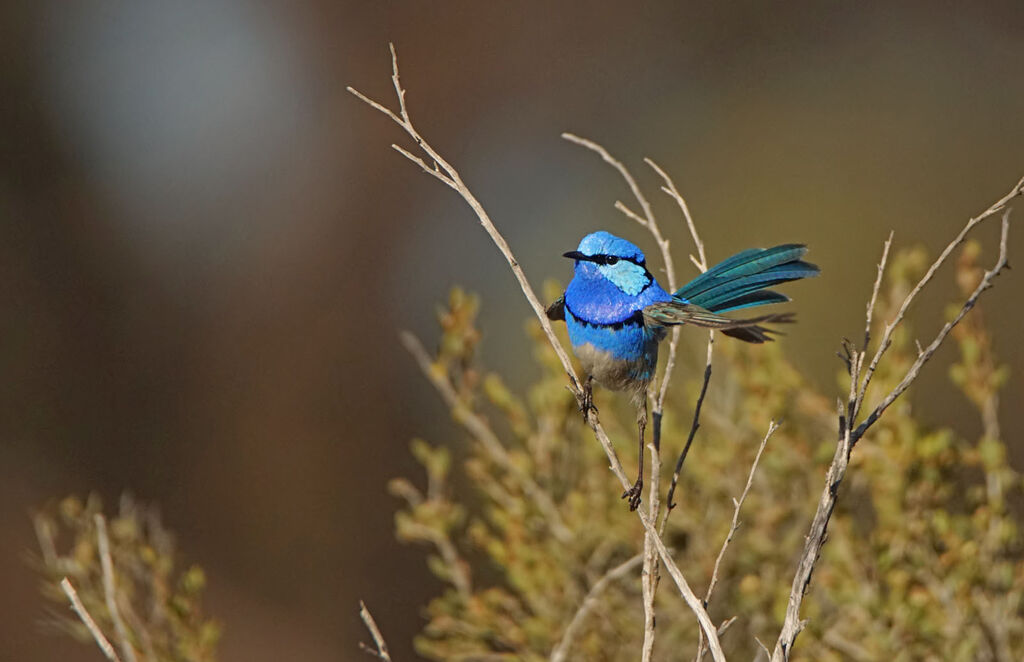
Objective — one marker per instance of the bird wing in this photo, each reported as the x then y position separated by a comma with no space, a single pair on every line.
671,313
556,311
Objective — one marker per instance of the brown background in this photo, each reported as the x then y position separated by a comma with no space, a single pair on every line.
207,247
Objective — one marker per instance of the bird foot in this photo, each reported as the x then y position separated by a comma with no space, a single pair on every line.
633,494
586,403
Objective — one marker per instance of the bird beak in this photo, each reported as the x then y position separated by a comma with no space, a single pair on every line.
576,255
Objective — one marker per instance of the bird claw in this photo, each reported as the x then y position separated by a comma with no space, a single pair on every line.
634,494
586,403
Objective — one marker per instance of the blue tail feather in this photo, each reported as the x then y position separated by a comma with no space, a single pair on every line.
741,280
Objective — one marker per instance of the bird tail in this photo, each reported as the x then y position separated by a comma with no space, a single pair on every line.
742,281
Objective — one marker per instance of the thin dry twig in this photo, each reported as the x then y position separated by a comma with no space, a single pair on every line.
378,638
701,262
110,590
848,415
590,601
83,615
733,528
446,173
481,431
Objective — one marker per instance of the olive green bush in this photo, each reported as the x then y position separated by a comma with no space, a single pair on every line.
924,557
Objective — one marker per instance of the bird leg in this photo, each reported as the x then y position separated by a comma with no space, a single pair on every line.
587,400
634,492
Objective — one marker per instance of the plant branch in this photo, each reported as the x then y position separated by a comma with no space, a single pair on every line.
378,638
849,435
455,181
83,615
110,590
445,172
734,527
480,430
590,601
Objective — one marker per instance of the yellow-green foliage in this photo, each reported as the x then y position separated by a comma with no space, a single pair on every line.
159,602
923,560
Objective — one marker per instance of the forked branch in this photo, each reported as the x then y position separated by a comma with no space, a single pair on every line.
849,431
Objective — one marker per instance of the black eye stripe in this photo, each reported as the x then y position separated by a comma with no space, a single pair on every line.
609,260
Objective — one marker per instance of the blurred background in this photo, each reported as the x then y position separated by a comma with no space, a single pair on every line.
207,246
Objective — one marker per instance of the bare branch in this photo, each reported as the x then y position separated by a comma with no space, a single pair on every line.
849,435
371,625
455,182
481,431
110,590
590,601
648,215
923,357
694,426
733,528
83,615
670,188
592,421
738,503
996,207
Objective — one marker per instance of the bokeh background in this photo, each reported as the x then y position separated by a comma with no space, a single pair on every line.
207,246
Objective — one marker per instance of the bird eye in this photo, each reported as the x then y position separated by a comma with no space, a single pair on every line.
611,259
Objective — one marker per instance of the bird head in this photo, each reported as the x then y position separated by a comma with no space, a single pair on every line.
602,255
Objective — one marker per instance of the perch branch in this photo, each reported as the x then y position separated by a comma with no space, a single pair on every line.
455,181
378,638
649,576
849,435
590,601
83,615
648,221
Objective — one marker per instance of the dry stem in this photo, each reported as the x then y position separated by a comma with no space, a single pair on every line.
481,431
561,650
848,415
83,615
110,590
378,638
733,528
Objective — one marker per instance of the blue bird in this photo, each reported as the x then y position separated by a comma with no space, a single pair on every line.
617,314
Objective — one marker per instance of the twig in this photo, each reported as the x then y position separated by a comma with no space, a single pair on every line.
701,262
694,426
83,615
647,220
590,601
453,179
378,638
110,590
734,527
671,190
480,430
849,435
996,207
446,173
923,357
738,503
460,577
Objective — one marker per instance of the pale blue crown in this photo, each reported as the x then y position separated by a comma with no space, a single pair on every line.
605,243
